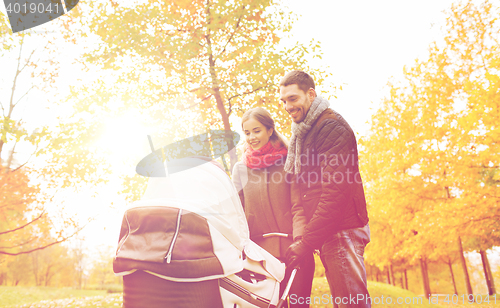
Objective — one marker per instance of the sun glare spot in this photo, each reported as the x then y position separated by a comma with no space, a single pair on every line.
124,139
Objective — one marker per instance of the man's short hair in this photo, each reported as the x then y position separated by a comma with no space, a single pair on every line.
300,78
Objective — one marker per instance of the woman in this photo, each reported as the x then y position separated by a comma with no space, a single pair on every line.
265,192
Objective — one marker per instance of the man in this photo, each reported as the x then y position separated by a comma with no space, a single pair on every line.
324,158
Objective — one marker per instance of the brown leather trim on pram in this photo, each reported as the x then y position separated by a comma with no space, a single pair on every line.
147,234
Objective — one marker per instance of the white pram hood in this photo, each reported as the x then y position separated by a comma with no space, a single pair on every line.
205,189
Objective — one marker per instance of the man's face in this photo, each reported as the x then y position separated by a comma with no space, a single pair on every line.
296,101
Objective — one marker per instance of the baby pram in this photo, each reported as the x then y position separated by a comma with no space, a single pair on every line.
186,244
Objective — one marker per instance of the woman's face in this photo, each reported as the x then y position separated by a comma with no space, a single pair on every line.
256,134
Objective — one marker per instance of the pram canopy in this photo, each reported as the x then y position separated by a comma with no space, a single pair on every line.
190,226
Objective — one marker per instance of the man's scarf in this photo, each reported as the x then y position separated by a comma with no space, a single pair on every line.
264,157
299,131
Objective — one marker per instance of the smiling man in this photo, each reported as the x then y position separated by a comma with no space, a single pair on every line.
331,204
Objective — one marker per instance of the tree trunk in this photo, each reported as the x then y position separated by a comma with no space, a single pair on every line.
487,272
11,102
464,267
388,276
35,267
425,278
391,271
11,157
218,98
1,147
452,277
48,274
406,280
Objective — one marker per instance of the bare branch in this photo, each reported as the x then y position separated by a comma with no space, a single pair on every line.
35,249
195,89
492,217
27,60
11,204
232,34
37,61
18,245
45,246
204,99
22,165
245,93
11,156
26,93
241,94
172,31
25,225
3,109
11,103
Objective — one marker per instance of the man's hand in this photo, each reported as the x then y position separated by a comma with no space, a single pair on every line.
296,252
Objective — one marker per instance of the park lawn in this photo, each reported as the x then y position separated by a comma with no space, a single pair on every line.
382,294
379,289
17,296
68,298
100,301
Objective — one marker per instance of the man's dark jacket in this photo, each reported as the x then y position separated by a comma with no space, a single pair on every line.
330,195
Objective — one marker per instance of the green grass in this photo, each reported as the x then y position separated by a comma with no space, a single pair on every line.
109,288
380,292
103,301
383,294
42,297
16,296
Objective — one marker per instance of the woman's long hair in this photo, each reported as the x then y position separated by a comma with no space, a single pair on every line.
264,117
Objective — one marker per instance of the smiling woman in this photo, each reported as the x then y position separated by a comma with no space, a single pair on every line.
256,134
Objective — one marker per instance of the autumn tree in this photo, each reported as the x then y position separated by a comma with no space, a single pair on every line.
37,155
216,58
433,167
48,264
101,273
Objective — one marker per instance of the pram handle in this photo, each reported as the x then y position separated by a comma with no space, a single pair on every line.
287,289
279,234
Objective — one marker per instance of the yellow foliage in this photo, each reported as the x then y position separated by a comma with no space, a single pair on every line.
432,157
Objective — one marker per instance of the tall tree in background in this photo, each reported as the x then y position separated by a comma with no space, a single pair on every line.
35,159
212,56
436,163
100,274
23,218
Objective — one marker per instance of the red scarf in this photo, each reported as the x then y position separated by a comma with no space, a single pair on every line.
264,157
